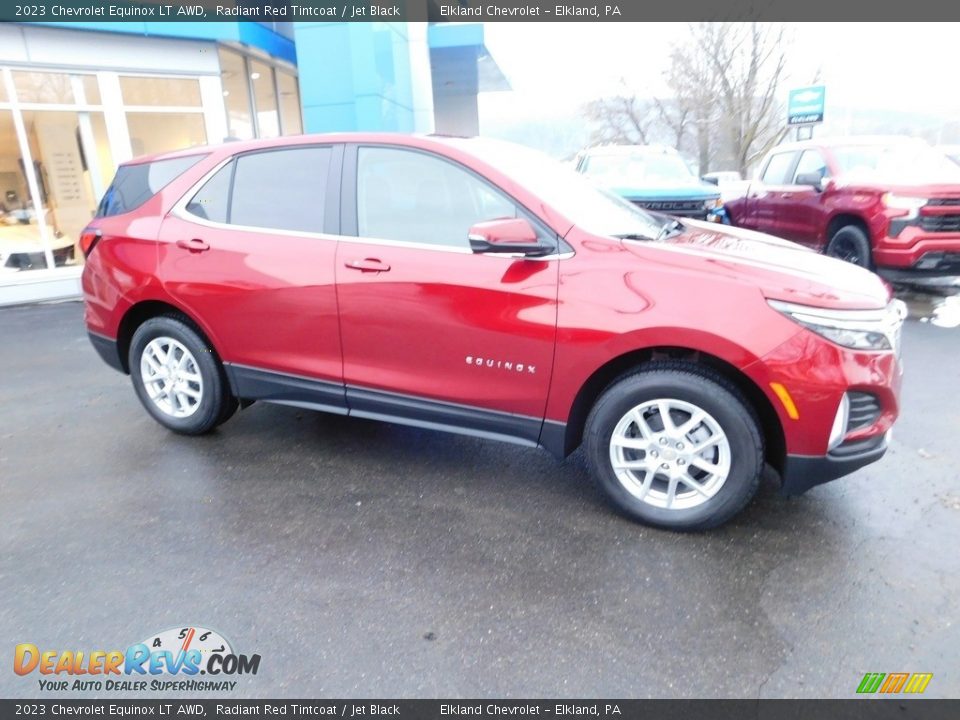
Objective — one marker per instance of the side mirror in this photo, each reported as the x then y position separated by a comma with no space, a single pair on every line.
814,180
506,235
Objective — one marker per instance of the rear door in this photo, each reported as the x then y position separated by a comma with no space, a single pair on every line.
251,256
432,333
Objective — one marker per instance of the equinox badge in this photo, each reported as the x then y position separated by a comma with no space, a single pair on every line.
501,365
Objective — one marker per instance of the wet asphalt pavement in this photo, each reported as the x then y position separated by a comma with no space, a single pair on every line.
362,559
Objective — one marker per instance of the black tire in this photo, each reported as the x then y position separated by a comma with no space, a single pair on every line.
708,391
230,406
216,403
851,244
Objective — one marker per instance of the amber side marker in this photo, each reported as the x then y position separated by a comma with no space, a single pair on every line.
786,400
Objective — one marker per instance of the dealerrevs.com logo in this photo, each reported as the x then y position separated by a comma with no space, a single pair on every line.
891,683
169,661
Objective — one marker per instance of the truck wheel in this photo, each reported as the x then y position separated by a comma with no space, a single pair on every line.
178,378
850,243
676,446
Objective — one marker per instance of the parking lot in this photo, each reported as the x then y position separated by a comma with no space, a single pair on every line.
361,559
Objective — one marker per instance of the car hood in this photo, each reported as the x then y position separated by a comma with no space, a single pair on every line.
782,270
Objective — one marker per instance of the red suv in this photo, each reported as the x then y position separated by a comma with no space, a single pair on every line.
478,287
890,204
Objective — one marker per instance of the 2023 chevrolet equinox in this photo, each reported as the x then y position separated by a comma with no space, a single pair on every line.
478,287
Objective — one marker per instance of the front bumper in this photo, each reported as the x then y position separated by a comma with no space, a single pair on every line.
909,248
802,472
930,266
816,374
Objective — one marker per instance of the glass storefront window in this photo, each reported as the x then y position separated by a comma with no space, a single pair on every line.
70,153
91,89
43,87
236,95
154,132
21,240
289,104
56,88
101,166
265,99
183,92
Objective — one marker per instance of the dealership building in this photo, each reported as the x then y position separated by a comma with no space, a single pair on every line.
78,98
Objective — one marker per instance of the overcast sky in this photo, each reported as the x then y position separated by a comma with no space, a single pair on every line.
557,66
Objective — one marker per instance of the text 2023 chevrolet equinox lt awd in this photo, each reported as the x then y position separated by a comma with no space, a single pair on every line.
478,287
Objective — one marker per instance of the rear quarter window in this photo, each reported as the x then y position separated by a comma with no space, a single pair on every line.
133,185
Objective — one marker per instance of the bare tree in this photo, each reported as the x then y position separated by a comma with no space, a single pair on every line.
745,62
724,82
622,119
676,118
690,78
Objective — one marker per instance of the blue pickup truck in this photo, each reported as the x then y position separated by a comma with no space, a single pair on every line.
653,177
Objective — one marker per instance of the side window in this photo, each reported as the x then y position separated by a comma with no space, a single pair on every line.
212,200
281,189
414,197
777,168
811,161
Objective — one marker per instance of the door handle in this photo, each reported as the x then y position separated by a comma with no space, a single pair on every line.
787,196
194,245
367,265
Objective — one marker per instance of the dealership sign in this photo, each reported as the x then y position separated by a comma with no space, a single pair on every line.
805,105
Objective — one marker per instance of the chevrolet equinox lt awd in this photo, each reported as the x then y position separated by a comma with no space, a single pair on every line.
478,287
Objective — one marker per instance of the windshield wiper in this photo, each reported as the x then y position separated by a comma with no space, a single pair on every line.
671,226
633,236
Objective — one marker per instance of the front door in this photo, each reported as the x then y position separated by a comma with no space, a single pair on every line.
807,212
771,197
432,333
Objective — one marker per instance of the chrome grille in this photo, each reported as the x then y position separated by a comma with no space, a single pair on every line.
940,223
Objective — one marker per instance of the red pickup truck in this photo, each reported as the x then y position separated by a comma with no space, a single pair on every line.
888,204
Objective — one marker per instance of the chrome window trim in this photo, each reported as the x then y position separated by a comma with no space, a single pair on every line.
179,210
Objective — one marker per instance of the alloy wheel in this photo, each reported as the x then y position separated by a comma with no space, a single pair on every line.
670,454
171,377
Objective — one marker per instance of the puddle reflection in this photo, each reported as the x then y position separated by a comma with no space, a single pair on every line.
938,306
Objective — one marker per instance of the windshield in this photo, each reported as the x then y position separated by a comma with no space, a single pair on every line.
905,163
590,207
637,169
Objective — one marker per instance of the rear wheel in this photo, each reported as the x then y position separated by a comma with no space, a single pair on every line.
178,377
850,243
676,446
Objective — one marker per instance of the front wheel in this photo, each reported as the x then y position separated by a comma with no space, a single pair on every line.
850,243
676,446
178,378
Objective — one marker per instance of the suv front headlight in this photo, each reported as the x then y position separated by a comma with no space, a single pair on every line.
877,330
